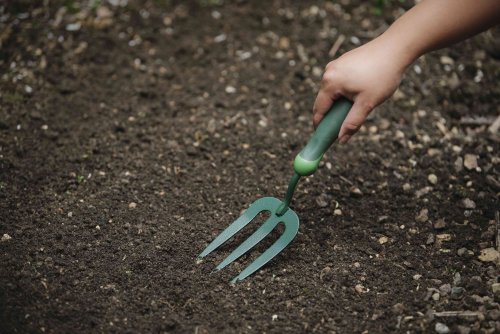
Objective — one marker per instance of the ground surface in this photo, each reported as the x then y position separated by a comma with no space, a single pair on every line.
132,133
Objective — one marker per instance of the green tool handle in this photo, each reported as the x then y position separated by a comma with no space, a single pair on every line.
307,161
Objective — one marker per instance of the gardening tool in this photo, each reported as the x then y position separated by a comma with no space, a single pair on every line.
305,163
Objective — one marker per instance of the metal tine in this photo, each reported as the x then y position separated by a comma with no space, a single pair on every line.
291,229
237,225
251,241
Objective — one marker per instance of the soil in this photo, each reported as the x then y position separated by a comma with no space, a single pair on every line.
132,133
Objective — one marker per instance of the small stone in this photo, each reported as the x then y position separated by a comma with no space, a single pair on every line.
445,289
432,178
445,60
441,328
457,279
360,288
463,329
440,224
430,239
422,216
470,161
5,237
422,192
416,277
132,205
406,187
97,227
230,90
495,287
457,293
220,38
468,203
398,308
355,40
337,212
284,43
70,214
436,296
489,255
356,192
73,26
321,200
459,164
382,240
274,317
443,237
461,251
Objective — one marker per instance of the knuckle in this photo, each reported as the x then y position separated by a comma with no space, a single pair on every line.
327,79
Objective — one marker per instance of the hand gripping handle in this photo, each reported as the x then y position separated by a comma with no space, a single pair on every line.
307,161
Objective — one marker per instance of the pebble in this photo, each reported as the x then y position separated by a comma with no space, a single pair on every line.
398,308
220,38
5,237
436,296
422,216
432,178
382,240
445,60
230,90
457,279
132,205
441,328
463,329
445,289
337,212
422,192
459,164
461,251
406,187
440,224
416,277
355,40
495,287
355,191
360,288
443,237
489,255
321,201
468,203
73,26
470,161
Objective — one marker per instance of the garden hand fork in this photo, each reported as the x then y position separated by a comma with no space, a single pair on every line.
305,163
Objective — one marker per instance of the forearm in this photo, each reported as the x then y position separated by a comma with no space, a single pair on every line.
433,24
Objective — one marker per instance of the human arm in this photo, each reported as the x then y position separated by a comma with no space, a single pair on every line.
370,74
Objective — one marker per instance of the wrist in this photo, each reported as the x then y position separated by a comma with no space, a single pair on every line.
399,48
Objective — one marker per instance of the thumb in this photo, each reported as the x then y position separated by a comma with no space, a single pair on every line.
355,118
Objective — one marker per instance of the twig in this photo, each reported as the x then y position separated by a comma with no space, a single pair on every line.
336,46
457,314
497,220
476,120
346,180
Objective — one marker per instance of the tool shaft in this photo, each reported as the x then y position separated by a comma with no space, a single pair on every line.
289,194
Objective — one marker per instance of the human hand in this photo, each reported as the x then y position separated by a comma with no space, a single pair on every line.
368,76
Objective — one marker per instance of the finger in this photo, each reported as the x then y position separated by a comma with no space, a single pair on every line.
355,118
322,104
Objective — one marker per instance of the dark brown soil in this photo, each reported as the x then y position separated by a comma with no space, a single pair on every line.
124,151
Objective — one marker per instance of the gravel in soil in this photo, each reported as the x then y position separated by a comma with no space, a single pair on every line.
132,133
